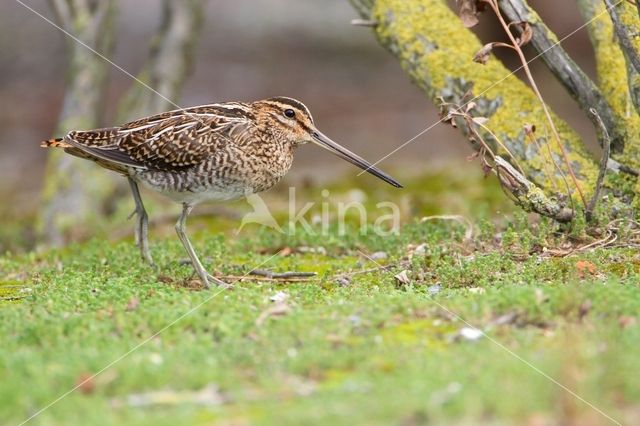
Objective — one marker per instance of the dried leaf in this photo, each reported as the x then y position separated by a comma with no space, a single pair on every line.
526,32
583,267
402,278
470,105
529,129
286,251
482,56
85,383
486,168
468,13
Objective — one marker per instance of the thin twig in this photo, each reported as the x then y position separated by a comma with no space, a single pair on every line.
628,170
549,173
585,92
499,142
366,271
282,275
603,165
534,86
261,278
11,298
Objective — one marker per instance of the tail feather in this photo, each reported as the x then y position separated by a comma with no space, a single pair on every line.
55,143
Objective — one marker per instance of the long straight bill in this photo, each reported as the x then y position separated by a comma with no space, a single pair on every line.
352,158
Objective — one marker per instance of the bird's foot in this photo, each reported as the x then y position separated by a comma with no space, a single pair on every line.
145,254
209,280
218,282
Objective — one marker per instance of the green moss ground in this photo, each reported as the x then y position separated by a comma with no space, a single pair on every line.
370,352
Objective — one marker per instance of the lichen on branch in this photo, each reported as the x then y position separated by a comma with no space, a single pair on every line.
436,50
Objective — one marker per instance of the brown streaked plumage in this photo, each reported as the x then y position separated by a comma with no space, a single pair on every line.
212,152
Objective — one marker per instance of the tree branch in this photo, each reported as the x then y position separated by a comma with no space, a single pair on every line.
436,51
577,83
612,68
626,24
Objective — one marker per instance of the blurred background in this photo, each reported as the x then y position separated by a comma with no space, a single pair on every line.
248,50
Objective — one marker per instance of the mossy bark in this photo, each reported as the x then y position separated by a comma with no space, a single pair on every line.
613,69
436,50
583,90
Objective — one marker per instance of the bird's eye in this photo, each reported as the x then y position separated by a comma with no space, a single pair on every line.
289,113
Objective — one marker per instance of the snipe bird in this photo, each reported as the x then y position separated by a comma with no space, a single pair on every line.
215,152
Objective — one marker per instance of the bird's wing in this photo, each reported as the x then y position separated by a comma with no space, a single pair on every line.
171,140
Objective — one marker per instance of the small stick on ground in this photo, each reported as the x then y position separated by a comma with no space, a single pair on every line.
240,278
11,298
281,275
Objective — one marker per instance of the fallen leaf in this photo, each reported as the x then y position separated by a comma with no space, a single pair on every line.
165,279
584,266
402,278
85,383
286,251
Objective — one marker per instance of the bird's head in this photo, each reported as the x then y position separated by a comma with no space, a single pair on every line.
291,121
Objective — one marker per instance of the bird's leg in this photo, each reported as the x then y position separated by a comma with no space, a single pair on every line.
197,266
142,224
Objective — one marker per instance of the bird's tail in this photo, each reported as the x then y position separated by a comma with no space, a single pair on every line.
55,143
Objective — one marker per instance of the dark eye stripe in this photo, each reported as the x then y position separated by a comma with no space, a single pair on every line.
299,106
